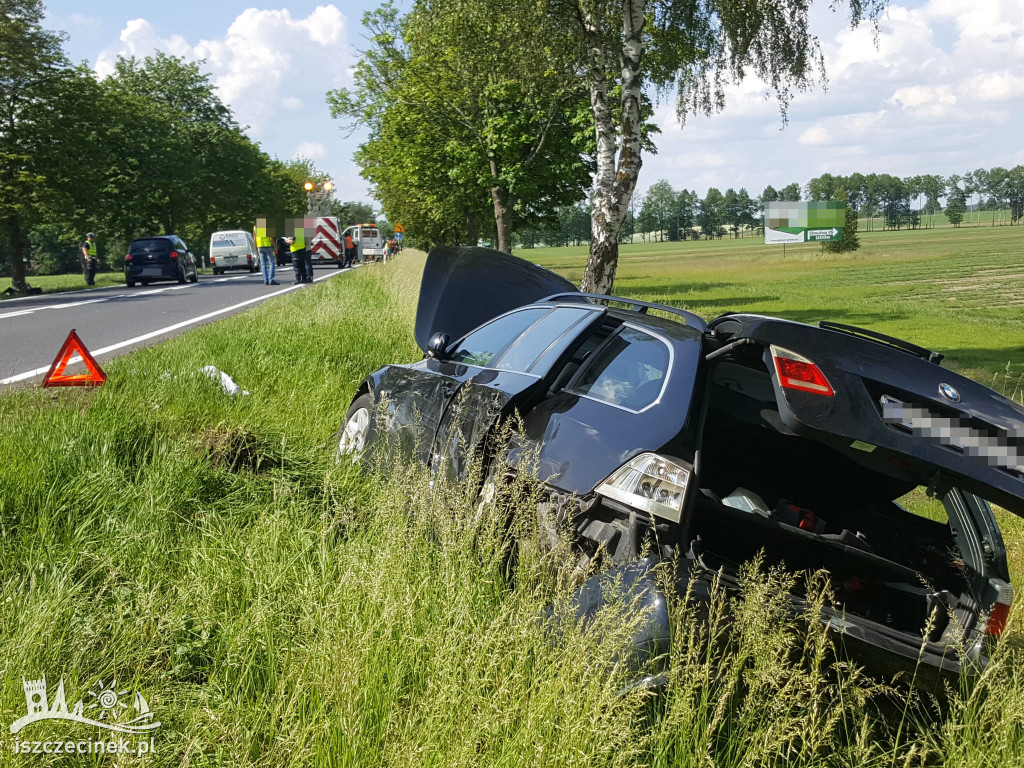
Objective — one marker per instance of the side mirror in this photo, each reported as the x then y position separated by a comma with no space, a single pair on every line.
438,345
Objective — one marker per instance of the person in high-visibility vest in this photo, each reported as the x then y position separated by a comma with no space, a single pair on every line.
90,258
265,248
297,246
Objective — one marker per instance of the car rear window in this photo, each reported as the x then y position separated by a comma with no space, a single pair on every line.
154,245
630,371
370,233
548,336
480,346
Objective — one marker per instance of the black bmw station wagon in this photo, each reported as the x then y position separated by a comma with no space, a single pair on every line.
821,447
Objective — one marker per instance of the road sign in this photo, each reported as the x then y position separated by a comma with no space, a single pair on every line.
399,236
399,227
802,222
72,346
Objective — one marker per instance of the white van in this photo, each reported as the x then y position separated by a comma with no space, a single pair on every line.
233,249
369,245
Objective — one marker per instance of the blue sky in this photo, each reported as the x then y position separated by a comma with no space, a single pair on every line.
942,92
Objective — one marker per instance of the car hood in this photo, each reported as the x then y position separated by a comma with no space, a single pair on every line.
464,287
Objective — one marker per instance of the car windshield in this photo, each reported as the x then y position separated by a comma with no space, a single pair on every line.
630,371
154,245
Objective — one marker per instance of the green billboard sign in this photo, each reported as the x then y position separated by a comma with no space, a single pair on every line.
800,222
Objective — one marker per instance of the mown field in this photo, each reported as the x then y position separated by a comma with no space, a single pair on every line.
277,608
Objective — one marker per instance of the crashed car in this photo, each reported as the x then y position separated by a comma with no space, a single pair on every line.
826,447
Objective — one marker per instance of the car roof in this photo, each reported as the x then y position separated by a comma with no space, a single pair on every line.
155,237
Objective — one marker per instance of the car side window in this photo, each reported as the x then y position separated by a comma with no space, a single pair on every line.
487,341
548,336
630,371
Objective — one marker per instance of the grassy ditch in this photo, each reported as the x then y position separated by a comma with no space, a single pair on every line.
278,609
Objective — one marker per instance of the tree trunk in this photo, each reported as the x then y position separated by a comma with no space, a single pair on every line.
472,229
16,254
615,179
501,219
502,203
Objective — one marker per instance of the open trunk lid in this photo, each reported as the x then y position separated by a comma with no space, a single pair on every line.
894,411
464,287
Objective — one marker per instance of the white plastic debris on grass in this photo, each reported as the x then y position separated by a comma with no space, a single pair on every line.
226,382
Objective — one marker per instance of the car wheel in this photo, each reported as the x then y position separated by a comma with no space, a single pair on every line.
144,283
130,283
195,276
182,278
356,431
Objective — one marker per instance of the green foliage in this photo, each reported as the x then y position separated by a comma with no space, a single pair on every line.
467,114
150,149
850,241
956,207
277,609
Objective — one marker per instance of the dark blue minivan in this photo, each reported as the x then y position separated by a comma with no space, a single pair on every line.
161,257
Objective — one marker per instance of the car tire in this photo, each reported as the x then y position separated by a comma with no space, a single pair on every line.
195,276
144,283
356,432
130,283
182,277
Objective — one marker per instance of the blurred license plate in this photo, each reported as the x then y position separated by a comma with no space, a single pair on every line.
151,271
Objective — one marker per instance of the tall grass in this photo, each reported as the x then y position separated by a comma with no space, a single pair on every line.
279,609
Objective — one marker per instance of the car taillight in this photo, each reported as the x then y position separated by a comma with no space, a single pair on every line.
127,257
248,257
797,372
1000,611
649,482
213,259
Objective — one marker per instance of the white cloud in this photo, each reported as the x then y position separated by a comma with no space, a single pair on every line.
941,92
273,69
81,20
815,135
266,59
314,150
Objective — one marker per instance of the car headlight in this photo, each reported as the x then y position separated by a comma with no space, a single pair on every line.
651,483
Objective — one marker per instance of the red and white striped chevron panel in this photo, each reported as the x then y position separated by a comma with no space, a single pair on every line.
326,239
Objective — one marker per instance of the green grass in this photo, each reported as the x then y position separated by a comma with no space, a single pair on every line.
277,609
958,291
62,283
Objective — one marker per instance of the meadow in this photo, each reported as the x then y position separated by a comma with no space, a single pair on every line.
278,608
62,283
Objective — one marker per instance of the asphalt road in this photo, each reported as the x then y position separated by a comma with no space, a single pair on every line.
115,320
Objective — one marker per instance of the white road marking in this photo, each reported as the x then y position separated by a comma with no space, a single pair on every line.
143,293
146,336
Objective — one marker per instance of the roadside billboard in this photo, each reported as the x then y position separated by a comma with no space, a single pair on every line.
803,222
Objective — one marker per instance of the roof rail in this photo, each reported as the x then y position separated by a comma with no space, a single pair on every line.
694,321
881,338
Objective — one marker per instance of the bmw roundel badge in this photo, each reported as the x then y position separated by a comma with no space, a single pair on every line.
949,392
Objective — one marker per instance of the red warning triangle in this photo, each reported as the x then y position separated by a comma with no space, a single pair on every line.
56,377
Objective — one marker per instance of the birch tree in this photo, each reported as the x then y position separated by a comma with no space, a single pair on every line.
694,48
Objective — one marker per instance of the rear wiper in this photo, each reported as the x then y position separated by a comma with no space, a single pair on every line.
892,341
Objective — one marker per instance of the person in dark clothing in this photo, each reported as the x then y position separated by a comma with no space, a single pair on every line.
350,250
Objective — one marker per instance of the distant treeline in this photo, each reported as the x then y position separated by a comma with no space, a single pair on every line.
993,196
